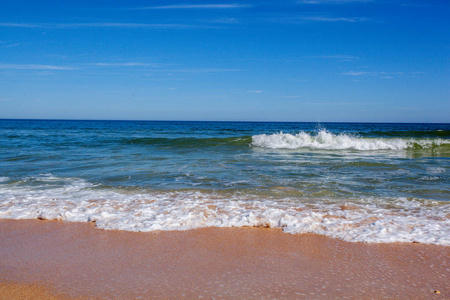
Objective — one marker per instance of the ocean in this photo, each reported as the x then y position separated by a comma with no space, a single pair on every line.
359,182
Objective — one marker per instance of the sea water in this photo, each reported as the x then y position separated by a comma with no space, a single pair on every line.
357,182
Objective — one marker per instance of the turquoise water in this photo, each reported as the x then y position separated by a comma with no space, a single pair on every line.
357,182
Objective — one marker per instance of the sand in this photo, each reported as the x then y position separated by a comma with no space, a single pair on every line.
57,260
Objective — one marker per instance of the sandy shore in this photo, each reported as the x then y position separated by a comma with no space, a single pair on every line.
44,259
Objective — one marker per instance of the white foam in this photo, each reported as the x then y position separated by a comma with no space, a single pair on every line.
326,140
367,220
436,170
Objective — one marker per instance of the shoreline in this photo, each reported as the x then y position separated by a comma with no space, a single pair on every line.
76,260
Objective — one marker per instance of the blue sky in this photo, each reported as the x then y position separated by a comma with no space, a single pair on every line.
291,60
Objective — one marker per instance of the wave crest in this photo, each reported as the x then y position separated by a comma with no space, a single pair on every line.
328,141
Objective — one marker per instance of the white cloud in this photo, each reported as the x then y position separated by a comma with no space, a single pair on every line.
303,19
127,64
199,70
357,73
206,25
339,57
198,6
156,68
254,92
385,75
6,45
100,25
33,67
223,21
24,25
334,19
125,25
339,103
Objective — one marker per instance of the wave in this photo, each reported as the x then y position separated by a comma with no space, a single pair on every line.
329,141
366,220
445,134
190,142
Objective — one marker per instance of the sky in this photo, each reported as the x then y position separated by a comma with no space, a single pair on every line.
286,60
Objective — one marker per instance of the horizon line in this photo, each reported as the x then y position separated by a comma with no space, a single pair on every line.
217,121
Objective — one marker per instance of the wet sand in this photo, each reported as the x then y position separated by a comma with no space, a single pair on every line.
44,259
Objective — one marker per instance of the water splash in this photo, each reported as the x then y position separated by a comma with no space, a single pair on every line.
329,141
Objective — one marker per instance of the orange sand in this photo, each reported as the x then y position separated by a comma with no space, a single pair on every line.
77,260
25,291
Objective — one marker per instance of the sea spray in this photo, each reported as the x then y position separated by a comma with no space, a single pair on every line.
328,141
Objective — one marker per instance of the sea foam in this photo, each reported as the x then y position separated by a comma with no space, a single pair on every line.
329,141
363,220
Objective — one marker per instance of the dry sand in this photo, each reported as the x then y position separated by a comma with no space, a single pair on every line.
45,259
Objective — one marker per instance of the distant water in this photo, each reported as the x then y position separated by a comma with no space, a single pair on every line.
357,182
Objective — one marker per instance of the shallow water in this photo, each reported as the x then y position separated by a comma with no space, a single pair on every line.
357,182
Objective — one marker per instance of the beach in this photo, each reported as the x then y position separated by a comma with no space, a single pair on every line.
57,259
225,149
223,210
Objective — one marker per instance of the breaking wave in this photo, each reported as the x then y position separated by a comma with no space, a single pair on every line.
329,141
364,220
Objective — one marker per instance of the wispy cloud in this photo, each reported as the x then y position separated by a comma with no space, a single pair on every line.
101,25
151,68
302,19
222,21
22,25
34,67
4,44
198,6
199,70
254,92
357,73
334,19
337,57
339,103
428,4
126,64
206,25
385,75
12,45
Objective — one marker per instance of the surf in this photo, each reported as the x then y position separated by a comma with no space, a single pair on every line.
326,140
